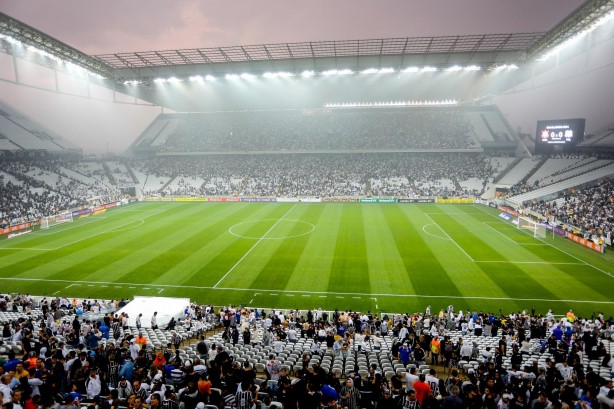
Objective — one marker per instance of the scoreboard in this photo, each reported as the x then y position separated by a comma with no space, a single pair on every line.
559,135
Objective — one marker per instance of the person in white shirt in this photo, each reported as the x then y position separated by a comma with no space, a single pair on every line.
93,385
410,378
5,389
433,381
278,345
154,320
292,335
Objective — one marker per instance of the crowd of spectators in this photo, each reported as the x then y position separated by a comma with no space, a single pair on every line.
106,365
590,209
322,175
337,129
30,189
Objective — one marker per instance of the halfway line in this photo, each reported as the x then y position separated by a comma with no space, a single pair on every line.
254,246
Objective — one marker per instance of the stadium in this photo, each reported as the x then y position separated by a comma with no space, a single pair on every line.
431,183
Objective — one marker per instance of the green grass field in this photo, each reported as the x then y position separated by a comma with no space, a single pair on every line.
378,257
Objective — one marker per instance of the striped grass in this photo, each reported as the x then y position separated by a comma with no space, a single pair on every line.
377,257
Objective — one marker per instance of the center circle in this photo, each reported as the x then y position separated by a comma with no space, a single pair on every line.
267,227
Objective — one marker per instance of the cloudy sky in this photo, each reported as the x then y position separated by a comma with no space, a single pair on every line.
98,27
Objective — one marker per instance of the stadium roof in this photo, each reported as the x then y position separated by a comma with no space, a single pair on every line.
485,50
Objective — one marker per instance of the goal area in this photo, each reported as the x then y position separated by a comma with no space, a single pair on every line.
538,230
54,220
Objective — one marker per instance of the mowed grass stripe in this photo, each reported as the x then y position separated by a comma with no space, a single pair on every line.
422,265
235,248
312,271
510,277
283,260
78,230
112,257
565,284
200,248
513,242
467,276
350,270
49,262
387,272
176,243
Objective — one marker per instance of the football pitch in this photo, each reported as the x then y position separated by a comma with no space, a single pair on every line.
377,257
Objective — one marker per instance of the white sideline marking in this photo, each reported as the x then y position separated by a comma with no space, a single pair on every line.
160,290
56,292
457,245
555,247
488,224
251,301
254,246
323,293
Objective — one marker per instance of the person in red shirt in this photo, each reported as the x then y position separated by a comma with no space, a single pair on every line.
423,390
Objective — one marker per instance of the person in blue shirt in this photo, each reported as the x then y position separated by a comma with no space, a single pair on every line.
12,362
104,329
404,353
127,370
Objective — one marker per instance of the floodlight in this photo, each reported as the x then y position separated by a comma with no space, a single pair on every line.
159,80
472,68
411,69
247,76
429,69
329,72
231,77
386,71
369,71
345,72
209,77
306,74
454,68
173,80
196,78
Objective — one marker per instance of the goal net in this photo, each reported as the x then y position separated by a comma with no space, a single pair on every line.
54,220
538,230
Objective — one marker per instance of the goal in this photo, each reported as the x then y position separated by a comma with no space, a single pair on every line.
539,230
54,220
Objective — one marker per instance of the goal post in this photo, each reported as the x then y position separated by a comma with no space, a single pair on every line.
54,220
538,230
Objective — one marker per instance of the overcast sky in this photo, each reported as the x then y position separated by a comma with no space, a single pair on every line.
98,27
